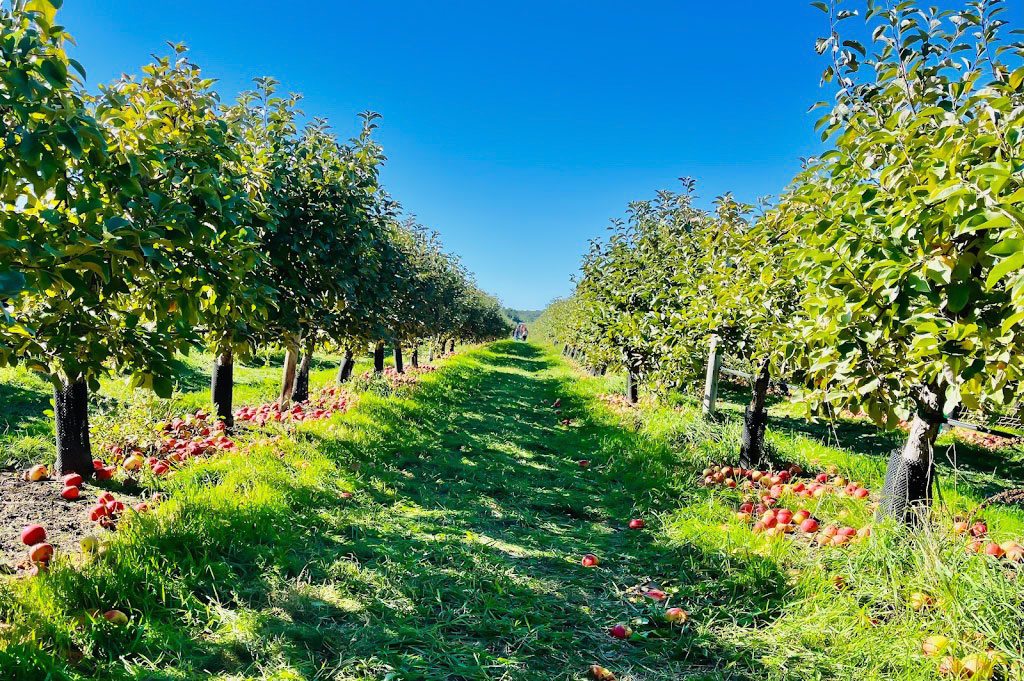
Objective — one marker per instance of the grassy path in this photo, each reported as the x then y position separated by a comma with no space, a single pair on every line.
490,516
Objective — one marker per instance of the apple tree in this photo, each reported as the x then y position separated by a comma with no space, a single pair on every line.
167,126
909,231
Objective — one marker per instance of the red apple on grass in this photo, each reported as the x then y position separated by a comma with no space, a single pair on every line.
676,615
979,529
599,673
994,549
960,527
810,526
621,631
636,524
590,560
116,617
583,463
69,493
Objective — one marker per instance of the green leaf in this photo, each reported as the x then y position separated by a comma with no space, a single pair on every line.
1004,267
959,293
163,387
11,283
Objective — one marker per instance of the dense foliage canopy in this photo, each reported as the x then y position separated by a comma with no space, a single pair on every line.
888,278
149,219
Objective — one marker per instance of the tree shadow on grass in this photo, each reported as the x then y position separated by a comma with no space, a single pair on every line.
865,438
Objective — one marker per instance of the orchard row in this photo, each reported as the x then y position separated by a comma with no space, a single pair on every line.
887,279
151,218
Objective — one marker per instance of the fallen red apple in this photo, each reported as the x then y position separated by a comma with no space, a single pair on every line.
69,493
115,617
590,560
621,631
105,498
979,529
656,594
583,463
33,534
72,480
994,549
784,515
960,527
105,473
810,525
822,478
676,615
861,493
636,524
40,553
599,673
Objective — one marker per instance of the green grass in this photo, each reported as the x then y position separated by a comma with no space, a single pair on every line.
458,555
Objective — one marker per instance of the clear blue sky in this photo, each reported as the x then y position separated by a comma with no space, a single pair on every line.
514,129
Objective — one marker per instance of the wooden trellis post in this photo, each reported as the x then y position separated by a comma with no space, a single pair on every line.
711,380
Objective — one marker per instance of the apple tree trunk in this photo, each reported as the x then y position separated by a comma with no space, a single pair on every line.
755,419
907,492
222,383
378,358
399,363
347,363
452,347
414,356
430,352
301,391
71,413
632,387
291,357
